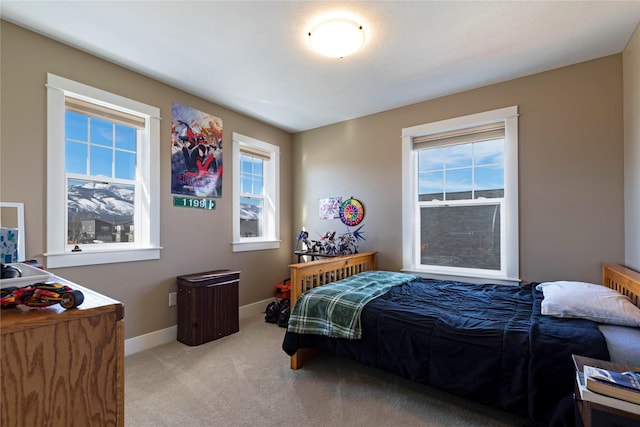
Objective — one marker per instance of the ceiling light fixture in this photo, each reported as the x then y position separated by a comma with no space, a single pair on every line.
336,38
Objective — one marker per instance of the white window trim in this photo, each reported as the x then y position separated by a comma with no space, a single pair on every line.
510,255
147,238
271,211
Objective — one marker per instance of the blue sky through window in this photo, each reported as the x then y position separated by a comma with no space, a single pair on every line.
251,175
469,167
98,147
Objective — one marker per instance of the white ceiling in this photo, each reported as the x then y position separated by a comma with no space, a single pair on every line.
253,57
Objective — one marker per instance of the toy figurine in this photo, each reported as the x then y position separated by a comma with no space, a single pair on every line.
42,294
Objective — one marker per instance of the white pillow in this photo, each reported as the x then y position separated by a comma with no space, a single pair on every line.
588,301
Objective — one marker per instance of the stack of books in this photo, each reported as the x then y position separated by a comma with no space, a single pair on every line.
620,390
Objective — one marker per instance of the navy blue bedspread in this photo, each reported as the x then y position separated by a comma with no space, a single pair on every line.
487,343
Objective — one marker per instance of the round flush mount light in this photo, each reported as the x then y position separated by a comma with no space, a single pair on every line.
336,38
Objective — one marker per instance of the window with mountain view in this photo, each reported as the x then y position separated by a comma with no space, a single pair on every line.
460,204
256,186
100,162
103,176
251,195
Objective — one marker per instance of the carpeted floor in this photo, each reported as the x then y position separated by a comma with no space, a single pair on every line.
244,380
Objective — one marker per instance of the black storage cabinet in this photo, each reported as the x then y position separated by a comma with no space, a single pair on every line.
207,306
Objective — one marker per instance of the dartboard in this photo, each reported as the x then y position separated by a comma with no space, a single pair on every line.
351,212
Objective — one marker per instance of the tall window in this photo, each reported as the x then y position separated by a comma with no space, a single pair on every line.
256,186
100,165
103,176
252,195
460,206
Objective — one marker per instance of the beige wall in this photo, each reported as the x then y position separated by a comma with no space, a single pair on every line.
193,240
571,174
631,65
570,166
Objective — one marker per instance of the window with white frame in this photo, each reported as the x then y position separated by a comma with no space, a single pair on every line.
460,201
103,176
256,187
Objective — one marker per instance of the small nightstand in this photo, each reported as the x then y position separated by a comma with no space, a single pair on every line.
590,414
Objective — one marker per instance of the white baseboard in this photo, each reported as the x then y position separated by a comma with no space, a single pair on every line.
167,335
150,340
254,308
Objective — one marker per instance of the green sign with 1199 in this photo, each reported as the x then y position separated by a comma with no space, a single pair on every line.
190,202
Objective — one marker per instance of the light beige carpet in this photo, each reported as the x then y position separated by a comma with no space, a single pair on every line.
244,380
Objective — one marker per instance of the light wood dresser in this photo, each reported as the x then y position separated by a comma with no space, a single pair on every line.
63,367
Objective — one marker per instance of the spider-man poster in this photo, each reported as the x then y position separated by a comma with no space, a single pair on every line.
196,152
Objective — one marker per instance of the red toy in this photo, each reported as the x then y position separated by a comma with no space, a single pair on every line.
42,294
283,290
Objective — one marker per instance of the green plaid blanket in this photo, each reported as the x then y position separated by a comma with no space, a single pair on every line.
334,310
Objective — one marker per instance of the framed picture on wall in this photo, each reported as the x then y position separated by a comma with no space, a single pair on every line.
196,152
329,207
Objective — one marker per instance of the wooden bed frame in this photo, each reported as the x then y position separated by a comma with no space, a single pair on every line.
622,279
308,275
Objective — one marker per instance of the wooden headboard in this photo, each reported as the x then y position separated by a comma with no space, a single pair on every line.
622,279
308,275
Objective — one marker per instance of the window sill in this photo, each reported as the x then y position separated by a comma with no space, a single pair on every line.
470,278
254,245
77,259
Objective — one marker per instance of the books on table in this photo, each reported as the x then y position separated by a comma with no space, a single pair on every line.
591,396
622,385
609,388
